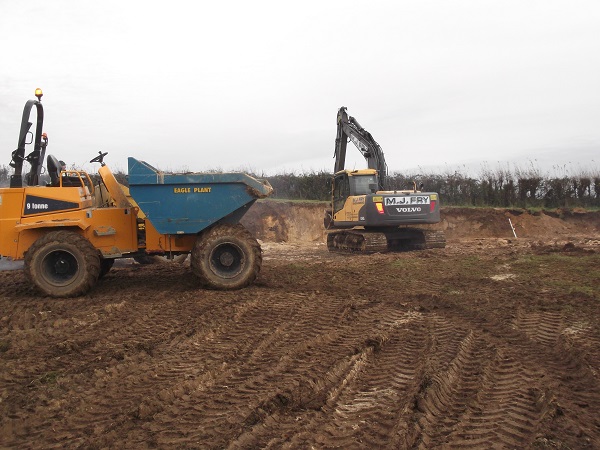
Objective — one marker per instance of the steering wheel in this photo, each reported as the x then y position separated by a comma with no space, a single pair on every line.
99,158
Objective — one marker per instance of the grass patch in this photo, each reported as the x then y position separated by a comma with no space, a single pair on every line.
50,377
469,267
585,291
404,263
565,274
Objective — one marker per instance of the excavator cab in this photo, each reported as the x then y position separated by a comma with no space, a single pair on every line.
355,183
341,191
363,183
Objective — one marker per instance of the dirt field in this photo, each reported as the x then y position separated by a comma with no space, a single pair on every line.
493,342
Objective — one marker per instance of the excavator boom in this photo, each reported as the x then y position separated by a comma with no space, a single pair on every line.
348,128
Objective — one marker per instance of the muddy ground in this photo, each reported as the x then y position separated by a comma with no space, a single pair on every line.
493,342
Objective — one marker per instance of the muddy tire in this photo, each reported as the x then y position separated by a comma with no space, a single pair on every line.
62,264
226,257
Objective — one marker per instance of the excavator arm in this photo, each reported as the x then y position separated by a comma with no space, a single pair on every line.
348,128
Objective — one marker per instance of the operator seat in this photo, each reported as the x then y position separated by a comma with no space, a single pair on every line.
53,170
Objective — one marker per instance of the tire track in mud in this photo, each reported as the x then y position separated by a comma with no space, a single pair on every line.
528,381
295,334
334,395
128,337
357,399
447,392
368,410
172,367
490,394
249,337
559,334
543,327
554,329
503,413
568,364
395,382
188,365
299,360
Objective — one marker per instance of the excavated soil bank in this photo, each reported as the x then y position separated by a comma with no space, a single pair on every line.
492,342
295,222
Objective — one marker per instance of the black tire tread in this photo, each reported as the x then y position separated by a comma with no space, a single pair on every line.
203,245
90,255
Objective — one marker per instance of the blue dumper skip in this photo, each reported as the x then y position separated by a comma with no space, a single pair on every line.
187,203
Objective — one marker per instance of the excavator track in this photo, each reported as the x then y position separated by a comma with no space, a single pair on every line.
419,240
435,239
353,241
403,239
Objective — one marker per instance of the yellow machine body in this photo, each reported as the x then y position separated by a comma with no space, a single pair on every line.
108,217
29,212
69,230
350,204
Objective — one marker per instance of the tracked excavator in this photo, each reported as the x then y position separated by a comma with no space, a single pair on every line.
364,216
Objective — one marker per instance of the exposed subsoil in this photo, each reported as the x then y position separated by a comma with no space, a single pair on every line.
492,342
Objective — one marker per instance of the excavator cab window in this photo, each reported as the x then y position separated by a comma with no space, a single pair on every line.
341,191
363,184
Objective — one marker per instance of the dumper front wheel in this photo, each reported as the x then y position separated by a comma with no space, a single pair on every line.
226,257
62,264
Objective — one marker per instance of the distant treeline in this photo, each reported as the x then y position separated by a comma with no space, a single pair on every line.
494,188
510,189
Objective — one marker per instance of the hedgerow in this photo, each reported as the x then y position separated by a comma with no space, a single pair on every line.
503,187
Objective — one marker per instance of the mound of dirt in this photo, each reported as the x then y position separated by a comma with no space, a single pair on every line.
281,221
293,222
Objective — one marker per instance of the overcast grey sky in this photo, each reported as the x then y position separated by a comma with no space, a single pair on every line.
256,85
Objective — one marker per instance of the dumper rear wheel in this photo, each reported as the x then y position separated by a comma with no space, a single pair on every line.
62,264
226,257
